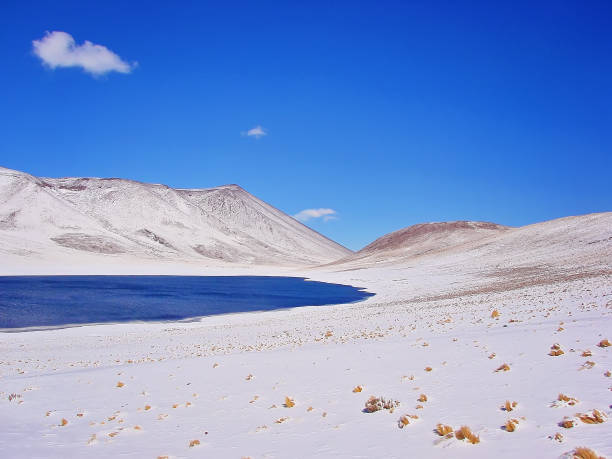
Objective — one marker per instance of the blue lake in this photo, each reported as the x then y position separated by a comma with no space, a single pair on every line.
47,301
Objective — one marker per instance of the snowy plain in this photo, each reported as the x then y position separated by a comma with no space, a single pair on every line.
294,383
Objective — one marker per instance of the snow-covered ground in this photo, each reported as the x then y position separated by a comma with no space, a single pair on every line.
220,384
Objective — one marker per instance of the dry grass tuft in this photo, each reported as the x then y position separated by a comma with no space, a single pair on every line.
428,368
509,406
64,422
558,437
281,420
374,404
193,443
405,420
587,353
567,423
289,402
595,417
494,314
465,433
120,384
504,367
567,399
608,374
604,343
147,407
585,453
422,398
444,430
510,425
492,356
555,350
357,389
588,365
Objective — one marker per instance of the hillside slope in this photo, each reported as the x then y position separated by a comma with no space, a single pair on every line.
80,218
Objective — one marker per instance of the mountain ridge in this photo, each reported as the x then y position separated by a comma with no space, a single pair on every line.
114,216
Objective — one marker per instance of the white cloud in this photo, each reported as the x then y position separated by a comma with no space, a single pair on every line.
256,132
58,49
307,214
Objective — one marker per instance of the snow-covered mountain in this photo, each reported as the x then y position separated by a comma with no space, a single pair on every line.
92,218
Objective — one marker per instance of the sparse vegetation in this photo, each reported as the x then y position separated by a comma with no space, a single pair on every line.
444,430
511,425
585,453
567,423
594,417
405,420
509,406
495,314
357,389
604,343
503,367
565,399
555,350
465,433
374,404
289,402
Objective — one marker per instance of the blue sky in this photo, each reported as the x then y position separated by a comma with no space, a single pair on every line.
388,113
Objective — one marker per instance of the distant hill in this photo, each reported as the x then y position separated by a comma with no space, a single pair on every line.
578,242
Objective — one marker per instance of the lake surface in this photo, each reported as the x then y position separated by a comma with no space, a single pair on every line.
47,301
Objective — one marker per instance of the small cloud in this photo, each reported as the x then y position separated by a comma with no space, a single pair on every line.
58,49
307,214
256,132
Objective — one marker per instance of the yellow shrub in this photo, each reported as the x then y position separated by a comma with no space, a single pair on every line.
465,433
585,453
511,425
596,417
443,430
